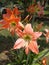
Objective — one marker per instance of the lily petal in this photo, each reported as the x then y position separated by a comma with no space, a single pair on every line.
37,34
9,11
19,32
46,30
28,29
27,50
34,47
16,11
20,25
19,44
47,39
8,14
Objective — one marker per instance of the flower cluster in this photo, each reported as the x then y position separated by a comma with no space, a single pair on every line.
23,26
36,8
27,38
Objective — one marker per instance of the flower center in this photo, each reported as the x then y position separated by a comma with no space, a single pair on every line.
13,23
27,37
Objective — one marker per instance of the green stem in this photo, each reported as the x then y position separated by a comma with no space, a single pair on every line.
12,39
46,3
43,38
41,57
33,18
11,36
27,59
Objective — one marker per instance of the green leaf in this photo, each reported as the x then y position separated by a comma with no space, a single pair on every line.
5,33
3,1
36,64
23,61
40,56
8,64
46,12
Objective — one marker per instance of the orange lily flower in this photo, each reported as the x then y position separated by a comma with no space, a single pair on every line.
36,8
10,17
47,35
11,22
44,61
40,9
31,8
27,39
39,26
15,11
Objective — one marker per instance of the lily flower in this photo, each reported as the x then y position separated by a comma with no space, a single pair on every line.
47,35
40,9
31,8
36,8
27,39
11,22
44,61
15,11
39,26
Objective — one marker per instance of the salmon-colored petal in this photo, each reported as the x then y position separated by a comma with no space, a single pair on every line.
19,43
16,11
8,14
20,25
46,30
12,32
47,39
19,32
44,34
17,19
5,18
34,47
26,50
4,24
9,11
13,18
37,34
31,8
28,29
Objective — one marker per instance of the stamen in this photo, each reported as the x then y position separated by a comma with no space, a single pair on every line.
13,24
27,37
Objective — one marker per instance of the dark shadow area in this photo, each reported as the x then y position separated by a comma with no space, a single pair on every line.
6,43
